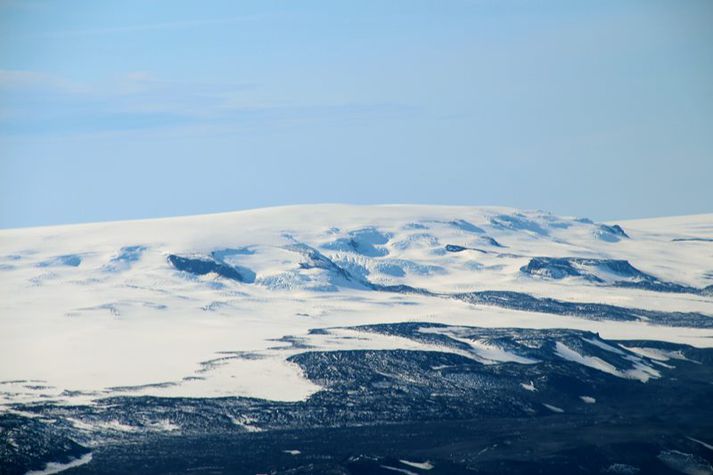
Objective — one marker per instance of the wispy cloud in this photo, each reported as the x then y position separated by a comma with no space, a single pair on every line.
41,104
12,79
171,25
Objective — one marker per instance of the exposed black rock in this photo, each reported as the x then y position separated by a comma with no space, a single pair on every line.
202,266
624,274
379,408
590,311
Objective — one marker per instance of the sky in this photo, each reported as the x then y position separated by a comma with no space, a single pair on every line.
113,110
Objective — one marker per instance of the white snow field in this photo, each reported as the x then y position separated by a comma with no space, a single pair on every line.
89,311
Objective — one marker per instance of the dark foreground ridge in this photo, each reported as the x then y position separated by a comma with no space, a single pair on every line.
452,411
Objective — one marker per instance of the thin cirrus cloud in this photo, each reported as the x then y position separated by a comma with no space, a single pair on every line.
148,27
44,104
19,80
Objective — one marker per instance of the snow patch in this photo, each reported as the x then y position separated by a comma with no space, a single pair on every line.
640,371
427,465
54,467
688,464
552,408
529,386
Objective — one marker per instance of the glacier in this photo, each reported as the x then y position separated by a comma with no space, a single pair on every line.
319,317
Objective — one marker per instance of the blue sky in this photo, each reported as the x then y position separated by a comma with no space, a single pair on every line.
133,109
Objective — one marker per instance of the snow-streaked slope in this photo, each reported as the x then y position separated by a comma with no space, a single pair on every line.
105,309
